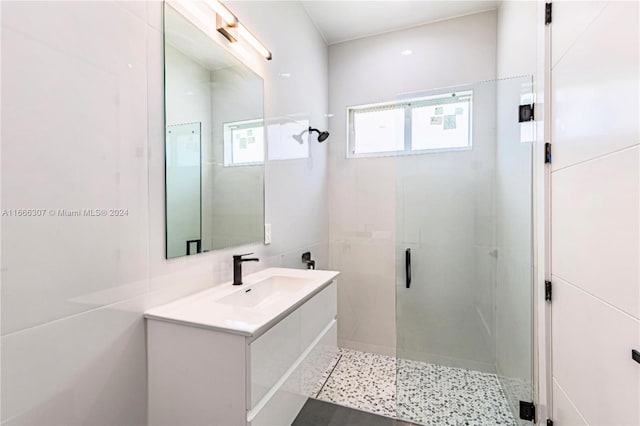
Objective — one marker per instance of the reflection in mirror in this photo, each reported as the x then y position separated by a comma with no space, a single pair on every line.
215,143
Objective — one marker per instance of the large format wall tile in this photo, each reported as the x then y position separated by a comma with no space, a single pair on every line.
595,212
595,84
564,412
87,369
74,138
596,228
592,344
575,20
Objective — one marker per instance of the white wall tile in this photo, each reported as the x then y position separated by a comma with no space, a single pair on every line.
516,45
74,138
592,344
137,7
595,210
514,316
574,21
366,308
564,412
595,84
87,369
154,14
79,114
595,216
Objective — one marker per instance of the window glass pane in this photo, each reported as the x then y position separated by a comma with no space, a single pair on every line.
244,141
378,131
440,126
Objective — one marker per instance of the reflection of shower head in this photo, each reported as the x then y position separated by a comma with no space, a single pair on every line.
298,138
322,136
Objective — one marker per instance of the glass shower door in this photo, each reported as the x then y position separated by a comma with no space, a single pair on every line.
464,255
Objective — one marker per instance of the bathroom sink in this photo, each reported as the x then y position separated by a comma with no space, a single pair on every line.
249,309
266,291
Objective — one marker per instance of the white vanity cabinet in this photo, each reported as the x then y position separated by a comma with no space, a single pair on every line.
201,375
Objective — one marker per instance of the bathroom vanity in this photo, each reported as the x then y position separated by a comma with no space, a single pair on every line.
242,355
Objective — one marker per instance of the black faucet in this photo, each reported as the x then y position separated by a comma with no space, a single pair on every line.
237,266
306,258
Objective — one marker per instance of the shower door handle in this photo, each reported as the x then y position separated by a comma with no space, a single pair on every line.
407,266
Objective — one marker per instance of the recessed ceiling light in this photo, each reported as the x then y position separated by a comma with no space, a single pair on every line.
285,74
329,115
406,52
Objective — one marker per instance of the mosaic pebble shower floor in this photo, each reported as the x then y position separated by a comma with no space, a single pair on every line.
428,394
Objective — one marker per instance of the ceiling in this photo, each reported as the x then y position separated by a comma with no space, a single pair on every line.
340,21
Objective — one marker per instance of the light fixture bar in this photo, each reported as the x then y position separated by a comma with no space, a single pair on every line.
250,38
195,11
224,13
230,33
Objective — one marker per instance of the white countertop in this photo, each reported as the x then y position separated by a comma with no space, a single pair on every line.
206,310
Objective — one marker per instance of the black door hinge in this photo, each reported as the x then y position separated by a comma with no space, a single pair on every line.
525,113
635,355
547,153
527,411
547,13
548,291
549,422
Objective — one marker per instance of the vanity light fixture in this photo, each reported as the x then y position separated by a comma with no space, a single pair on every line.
225,14
250,38
228,25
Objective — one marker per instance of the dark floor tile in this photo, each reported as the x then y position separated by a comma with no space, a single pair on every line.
320,413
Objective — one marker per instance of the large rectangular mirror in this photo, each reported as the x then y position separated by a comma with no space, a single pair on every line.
214,146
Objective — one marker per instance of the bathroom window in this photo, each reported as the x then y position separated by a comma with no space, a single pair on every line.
434,123
243,143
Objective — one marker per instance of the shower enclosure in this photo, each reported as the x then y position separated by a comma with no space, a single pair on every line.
464,260
432,235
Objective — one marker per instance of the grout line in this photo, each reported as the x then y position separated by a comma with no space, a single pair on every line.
566,395
577,39
77,314
598,298
129,299
329,376
599,157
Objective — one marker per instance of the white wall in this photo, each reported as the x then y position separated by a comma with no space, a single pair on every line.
516,46
517,26
82,115
595,188
363,191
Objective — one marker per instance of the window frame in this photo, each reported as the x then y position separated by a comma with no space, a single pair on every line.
408,103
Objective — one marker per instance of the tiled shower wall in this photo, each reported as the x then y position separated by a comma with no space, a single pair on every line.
82,127
363,191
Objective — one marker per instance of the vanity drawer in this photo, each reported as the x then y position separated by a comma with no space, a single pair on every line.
317,313
273,353
285,404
